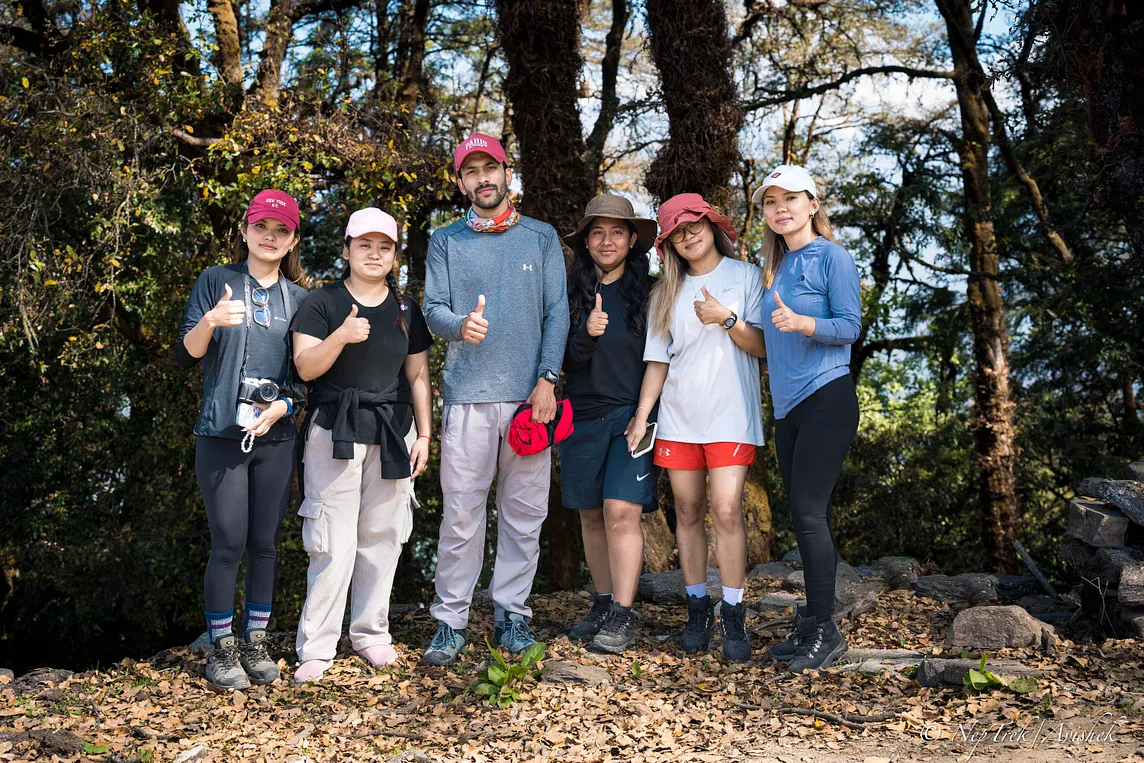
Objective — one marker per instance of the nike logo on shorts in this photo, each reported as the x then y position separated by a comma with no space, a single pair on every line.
641,479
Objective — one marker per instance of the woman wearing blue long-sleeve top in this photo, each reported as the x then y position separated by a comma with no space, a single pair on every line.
812,288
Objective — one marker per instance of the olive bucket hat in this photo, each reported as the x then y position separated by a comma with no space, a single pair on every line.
610,205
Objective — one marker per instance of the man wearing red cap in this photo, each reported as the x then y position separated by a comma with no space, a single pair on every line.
495,291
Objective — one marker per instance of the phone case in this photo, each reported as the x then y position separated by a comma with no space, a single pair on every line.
649,438
247,415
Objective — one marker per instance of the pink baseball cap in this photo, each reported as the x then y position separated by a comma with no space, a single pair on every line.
273,203
371,220
478,143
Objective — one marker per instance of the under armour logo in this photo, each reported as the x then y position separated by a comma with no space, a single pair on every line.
526,267
665,452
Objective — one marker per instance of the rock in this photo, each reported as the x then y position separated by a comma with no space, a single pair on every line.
1126,495
793,558
54,743
1040,602
996,628
1132,619
844,570
201,644
562,672
195,753
796,581
668,587
770,571
1011,588
974,587
1136,471
1131,590
862,655
873,667
1078,555
853,597
898,571
34,678
5,673
1097,523
778,602
939,672
410,756
1110,562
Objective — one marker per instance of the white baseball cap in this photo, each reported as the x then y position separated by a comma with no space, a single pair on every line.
789,177
371,220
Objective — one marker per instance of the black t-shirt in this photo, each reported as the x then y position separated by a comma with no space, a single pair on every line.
266,359
605,372
375,365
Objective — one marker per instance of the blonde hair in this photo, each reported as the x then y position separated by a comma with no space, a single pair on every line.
775,248
666,290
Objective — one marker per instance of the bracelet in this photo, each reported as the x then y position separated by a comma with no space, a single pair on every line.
427,437
289,405
641,408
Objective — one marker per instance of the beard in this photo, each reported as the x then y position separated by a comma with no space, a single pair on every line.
494,202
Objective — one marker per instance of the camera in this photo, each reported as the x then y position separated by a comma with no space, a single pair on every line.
258,391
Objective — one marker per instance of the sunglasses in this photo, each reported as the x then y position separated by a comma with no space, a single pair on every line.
683,231
261,299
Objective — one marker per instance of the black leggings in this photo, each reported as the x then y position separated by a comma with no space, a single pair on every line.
246,496
811,443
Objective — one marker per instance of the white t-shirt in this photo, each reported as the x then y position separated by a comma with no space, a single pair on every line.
712,389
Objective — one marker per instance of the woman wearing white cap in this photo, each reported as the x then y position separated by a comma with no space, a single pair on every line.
812,290
364,348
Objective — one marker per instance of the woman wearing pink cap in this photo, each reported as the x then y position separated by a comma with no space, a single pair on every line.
703,343
364,347
236,323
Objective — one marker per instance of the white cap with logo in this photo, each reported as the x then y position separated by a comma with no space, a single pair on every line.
371,220
789,177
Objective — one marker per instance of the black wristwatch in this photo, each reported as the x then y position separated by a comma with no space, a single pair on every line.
548,376
730,321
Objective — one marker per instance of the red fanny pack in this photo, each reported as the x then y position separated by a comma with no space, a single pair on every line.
527,438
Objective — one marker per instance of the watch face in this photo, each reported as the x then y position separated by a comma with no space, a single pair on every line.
729,322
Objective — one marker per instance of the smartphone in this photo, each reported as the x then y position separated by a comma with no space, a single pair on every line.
648,441
247,415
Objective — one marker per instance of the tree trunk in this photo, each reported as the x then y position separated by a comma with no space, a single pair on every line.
994,431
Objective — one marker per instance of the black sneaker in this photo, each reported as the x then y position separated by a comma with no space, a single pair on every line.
618,632
733,624
821,650
586,629
700,619
804,628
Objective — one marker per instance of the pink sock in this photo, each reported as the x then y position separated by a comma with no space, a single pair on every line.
311,670
379,655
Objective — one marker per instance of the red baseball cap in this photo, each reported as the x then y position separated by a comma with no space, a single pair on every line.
527,437
273,203
478,142
685,208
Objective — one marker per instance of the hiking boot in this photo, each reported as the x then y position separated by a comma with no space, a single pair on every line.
514,633
733,624
700,619
821,650
618,631
586,629
804,628
445,646
223,668
256,660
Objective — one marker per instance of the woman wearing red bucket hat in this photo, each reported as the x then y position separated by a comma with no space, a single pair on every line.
236,323
702,350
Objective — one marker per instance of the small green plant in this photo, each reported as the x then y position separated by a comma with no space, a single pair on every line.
95,749
500,682
981,679
636,668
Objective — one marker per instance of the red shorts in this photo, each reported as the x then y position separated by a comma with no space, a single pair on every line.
707,455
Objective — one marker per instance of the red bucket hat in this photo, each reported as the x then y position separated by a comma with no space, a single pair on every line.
686,208
527,437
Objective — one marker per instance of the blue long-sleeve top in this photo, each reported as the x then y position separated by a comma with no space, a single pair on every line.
521,273
819,280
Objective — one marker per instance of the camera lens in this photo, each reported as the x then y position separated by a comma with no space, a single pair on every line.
268,392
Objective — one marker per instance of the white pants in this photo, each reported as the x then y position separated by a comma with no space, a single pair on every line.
474,451
355,523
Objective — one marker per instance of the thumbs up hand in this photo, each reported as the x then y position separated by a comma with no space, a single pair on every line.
787,320
354,329
597,319
227,312
475,328
710,310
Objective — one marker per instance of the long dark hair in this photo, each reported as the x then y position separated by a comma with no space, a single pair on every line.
291,265
584,282
390,281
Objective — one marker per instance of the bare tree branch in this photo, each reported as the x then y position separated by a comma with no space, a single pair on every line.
609,101
191,140
783,96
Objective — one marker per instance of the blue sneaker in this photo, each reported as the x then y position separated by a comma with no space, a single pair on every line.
514,633
445,646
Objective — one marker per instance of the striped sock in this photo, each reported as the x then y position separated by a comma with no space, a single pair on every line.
255,618
219,624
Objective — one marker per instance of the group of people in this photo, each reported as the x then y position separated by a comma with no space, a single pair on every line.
659,373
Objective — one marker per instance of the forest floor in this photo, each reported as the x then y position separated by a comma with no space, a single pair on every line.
655,703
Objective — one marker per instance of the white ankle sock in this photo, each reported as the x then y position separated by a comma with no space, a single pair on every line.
699,590
732,595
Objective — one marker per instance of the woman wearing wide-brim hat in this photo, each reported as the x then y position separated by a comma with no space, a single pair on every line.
608,289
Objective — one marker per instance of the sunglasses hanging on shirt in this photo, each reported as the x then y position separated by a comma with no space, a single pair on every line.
260,296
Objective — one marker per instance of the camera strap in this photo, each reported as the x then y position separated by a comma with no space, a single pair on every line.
284,287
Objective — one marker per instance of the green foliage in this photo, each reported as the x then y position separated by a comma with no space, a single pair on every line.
501,682
980,679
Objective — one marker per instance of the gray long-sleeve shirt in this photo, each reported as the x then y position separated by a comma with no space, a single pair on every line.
521,273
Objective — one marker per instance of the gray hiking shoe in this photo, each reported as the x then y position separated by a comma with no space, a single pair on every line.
445,646
256,660
223,668
618,631
586,629
804,628
514,633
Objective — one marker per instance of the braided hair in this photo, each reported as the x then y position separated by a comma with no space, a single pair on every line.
391,282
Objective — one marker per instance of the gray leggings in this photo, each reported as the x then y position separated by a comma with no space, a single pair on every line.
246,496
